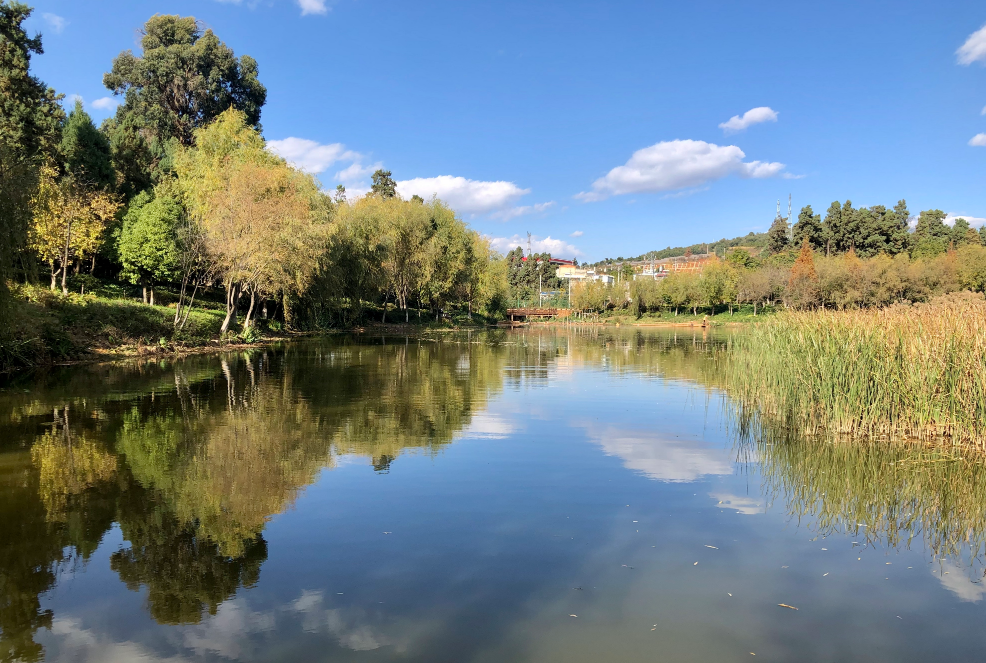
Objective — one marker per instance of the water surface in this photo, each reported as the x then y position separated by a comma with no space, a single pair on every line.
562,495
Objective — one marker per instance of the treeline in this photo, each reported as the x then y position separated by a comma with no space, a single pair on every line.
178,191
804,279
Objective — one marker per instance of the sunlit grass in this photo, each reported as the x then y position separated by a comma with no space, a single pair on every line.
904,372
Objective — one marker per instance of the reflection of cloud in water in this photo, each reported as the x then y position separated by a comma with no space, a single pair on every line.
958,582
226,633
662,458
489,426
740,504
343,626
81,645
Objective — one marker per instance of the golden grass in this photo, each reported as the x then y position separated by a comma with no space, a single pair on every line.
896,373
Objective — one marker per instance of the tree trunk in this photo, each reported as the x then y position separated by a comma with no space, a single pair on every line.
54,276
232,299
151,302
285,304
247,321
68,240
92,268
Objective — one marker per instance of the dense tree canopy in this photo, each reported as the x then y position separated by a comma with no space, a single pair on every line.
182,80
30,116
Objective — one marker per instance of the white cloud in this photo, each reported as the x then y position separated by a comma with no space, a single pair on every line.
72,98
983,111
749,118
979,140
556,247
577,233
974,47
974,221
310,156
464,196
312,7
953,578
745,505
661,458
677,164
514,212
105,103
56,22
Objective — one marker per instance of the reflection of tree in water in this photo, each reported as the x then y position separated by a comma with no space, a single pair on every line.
882,493
184,572
193,458
37,543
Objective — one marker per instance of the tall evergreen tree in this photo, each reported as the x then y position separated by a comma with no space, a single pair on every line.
809,227
85,151
30,117
777,238
383,184
832,227
182,80
931,235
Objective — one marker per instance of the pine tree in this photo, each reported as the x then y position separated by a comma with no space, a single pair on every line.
809,227
777,239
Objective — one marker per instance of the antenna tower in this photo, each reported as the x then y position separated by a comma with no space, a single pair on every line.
529,253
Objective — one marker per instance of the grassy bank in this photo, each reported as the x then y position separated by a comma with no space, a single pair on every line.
47,327
907,371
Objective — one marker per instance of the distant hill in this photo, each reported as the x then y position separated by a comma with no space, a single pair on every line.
755,240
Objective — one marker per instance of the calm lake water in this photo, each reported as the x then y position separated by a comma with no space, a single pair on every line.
562,495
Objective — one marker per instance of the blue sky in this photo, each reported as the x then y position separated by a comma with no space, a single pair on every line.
602,128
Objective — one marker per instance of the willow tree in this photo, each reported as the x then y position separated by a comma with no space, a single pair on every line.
263,222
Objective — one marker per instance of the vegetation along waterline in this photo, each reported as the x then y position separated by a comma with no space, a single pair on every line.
906,371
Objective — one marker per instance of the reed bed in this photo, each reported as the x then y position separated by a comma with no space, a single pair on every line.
903,372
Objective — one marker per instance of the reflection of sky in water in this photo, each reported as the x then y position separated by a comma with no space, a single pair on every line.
616,499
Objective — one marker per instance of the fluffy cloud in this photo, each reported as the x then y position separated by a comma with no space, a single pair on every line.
979,140
514,212
56,22
556,247
312,7
974,47
577,233
464,196
677,164
974,221
749,118
105,103
310,156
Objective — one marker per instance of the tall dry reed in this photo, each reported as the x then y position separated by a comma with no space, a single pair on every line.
907,371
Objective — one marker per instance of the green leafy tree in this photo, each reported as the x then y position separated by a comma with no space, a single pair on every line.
182,80
147,246
384,185
30,119
809,227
